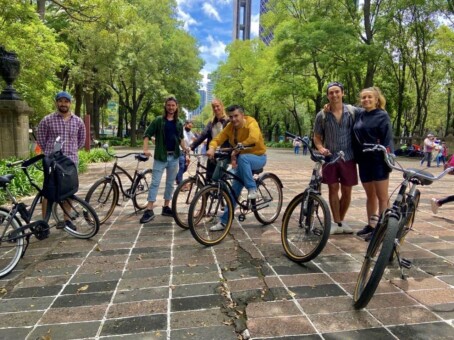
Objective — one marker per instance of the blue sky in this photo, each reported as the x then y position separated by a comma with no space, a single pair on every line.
210,22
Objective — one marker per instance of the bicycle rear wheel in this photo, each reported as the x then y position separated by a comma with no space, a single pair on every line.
268,204
205,211
377,258
141,187
11,243
182,198
103,197
80,213
305,227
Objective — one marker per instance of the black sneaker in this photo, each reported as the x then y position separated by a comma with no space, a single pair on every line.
70,225
370,235
148,215
166,211
366,230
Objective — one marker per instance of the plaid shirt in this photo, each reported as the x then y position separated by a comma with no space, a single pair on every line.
71,131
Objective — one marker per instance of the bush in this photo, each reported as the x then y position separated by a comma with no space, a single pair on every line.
279,144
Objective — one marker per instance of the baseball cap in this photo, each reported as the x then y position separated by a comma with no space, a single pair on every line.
63,94
430,135
335,83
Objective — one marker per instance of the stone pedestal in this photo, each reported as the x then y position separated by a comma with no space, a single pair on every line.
14,125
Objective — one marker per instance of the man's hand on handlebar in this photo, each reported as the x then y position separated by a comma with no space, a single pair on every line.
147,153
324,151
210,153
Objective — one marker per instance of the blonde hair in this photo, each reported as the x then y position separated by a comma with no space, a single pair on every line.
381,101
220,103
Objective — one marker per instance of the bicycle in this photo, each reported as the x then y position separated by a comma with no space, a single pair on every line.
393,226
13,231
212,200
306,223
104,194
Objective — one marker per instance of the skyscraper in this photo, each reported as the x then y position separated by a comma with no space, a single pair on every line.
265,36
241,19
210,86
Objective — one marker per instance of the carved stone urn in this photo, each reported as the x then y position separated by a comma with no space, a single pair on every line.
9,71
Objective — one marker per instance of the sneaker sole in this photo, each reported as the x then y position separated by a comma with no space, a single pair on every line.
151,219
165,214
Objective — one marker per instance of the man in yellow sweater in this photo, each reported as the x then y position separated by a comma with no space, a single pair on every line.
245,130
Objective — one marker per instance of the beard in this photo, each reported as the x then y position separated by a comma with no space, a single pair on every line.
187,129
63,109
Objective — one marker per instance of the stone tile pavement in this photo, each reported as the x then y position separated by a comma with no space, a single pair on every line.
154,281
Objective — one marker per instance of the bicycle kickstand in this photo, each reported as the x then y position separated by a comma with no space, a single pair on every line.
403,263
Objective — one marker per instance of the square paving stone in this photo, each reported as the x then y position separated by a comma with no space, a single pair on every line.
360,334
139,324
297,269
90,287
205,333
435,330
207,268
14,333
74,314
147,272
82,300
19,305
197,318
181,279
403,315
317,291
294,337
445,310
197,302
279,326
97,277
137,308
34,292
141,294
271,309
148,282
20,319
343,321
66,331
332,304
110,252
195,289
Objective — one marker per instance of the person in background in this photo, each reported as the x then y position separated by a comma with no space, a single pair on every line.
429,145
372,125
183,161
168,132
305,145
333,133
437,203
296,146
442,153
69,127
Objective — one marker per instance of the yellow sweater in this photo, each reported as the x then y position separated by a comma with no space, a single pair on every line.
249,134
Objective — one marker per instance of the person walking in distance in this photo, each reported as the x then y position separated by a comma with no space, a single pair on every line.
333,133
168,132
189,137
437,203
429,145
296,146
69,127
373,126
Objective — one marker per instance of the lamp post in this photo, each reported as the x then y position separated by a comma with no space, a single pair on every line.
9,71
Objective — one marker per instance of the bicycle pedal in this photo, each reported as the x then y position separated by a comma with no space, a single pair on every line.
405,263
242,217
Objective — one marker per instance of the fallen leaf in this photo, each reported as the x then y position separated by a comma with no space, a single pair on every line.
82,289
3,290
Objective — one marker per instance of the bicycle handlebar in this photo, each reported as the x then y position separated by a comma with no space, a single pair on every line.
389,160
138,155
26,163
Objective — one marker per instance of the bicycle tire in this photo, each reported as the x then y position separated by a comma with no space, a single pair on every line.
10,251
140,188
103,196
304,236
269,198
81,214
181,200
204,212
380,248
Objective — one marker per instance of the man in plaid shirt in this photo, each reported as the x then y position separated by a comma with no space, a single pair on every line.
65,124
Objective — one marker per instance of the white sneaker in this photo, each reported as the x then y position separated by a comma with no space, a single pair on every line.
335,229
435,205
346,229
218,227
252,194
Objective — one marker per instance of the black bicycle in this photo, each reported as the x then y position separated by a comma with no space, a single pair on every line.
392,228
212,200
104,194
18,223
306,223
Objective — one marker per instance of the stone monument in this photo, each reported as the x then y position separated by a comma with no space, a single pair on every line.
14,113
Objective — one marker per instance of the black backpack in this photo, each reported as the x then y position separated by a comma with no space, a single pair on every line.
60,177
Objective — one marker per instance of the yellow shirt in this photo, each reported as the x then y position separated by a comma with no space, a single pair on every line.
247,135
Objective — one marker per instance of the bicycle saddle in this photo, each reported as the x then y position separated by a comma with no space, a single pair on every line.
419,179
258,171
142,158
4,180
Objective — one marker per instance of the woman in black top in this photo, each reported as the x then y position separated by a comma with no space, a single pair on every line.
372,125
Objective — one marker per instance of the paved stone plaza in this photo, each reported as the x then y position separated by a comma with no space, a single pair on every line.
154,281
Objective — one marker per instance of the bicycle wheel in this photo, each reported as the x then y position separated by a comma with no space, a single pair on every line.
377,258
141,187
305,227
268,204
182,198
103,197
81,214
11,248
205,211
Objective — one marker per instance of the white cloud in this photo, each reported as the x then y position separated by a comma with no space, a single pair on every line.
210,11
255,20
186,18
215,48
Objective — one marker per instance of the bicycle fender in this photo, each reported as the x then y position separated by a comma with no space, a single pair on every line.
270,174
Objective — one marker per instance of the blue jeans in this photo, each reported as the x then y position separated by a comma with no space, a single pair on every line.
182,168
246,163
171,167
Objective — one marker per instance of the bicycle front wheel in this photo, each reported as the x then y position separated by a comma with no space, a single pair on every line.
305,227
182,198
11,243
205,211
103,197
269,199
140,188
80,213
377,258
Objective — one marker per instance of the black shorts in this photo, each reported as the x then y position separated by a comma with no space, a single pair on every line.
373,168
